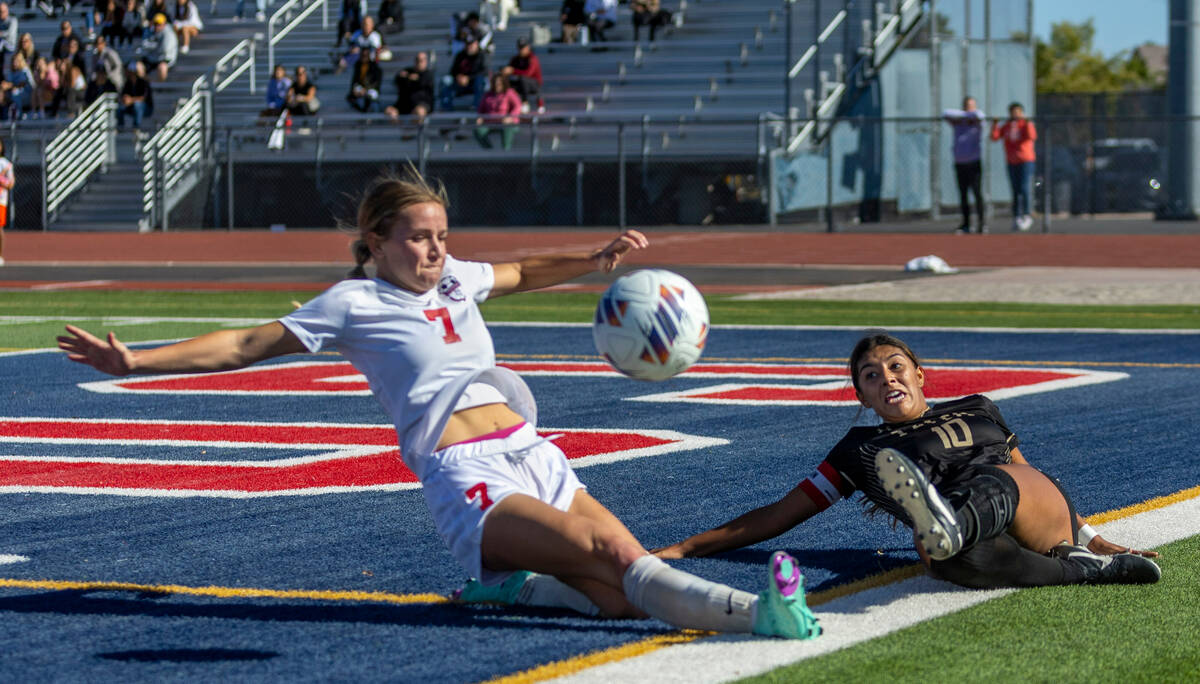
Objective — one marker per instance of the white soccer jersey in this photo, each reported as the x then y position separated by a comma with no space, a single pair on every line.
6,172
418,352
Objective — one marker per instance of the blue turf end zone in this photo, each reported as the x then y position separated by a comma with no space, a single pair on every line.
1108,443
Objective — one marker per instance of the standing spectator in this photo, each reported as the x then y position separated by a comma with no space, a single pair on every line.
365,39
497,12
524,73
45,79
467,26
601,16
105,59
648,13
571,16
391,16
160,50
100,85
1018,134
468,74
187,23
500,105
21,86
414,90
109,16
133,22
137,97
365,83
350,20
260,10
9,33
277,91
72,91
75,56
7,179
65,36
967,124
302,96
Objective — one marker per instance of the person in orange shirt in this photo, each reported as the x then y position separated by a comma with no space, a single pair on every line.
6,182
1018,134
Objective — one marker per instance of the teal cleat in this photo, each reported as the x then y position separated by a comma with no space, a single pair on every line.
504,593
782,611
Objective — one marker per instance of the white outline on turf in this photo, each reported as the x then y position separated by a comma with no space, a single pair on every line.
10,558
859,617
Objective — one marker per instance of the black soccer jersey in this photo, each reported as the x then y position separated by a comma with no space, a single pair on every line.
948,437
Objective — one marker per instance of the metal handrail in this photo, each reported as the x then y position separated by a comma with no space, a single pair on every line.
815,47
87,144
245,51
284,14
173,151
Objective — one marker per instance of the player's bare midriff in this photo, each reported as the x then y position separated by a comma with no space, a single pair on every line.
476,422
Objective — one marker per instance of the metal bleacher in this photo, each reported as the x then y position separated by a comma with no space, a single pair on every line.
710,87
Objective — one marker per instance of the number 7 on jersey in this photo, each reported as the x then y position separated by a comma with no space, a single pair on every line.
443,314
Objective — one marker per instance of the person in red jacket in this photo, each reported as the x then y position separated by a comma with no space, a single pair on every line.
524,73
1018,134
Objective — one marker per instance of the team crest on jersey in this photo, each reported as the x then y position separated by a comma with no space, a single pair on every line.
449,286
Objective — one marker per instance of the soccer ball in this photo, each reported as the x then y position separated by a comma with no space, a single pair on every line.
651,324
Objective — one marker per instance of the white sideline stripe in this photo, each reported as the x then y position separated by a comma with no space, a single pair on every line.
853,619
8,559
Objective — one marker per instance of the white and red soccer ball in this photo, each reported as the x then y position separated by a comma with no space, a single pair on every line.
651,324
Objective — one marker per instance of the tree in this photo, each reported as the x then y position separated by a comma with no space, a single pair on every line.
1069,63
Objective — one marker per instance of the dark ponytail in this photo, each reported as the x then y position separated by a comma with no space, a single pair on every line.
362,254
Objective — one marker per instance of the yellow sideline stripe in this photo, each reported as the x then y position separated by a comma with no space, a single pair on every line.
226,592
1150,505
596,658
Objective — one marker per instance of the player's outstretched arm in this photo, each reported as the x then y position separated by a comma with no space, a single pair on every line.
215,351
758,525
543,271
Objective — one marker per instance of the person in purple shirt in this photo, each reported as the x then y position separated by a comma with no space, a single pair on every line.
967,124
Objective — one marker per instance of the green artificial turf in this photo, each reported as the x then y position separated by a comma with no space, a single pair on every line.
1109,633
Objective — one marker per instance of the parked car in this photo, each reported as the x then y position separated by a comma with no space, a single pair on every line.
1109,176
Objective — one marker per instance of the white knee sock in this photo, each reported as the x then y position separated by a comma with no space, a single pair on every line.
548,591
685,600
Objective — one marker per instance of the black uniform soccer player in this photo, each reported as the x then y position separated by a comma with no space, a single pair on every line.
981,515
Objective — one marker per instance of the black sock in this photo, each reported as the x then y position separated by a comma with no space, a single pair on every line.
1001,562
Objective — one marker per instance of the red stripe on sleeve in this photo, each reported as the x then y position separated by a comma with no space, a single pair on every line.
835,478
815,494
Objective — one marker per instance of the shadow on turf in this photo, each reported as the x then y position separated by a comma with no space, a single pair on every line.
187,655
846,565
154,605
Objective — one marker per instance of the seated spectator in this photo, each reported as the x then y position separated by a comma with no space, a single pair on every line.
9,34
524,73
26,49
302,96
65,36
571,16
74,56
465,26
414,90
365,39
365,83
500,106
46,82
109,16
133,22
161,49
99,85
137,97
648,13
155,7
350,20
260,10
187,23
391,16
277,91
468,74
21,87
497,12
601,16
104,59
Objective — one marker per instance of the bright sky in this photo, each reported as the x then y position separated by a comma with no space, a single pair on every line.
1120,24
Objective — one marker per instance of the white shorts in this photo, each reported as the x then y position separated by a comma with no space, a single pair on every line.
474,476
